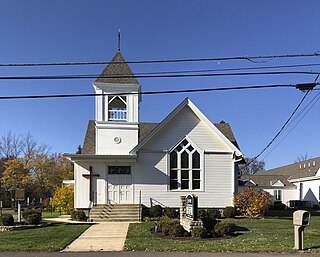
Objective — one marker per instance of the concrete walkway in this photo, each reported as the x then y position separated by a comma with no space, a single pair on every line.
108,236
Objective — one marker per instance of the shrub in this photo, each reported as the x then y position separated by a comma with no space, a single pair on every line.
278,206
208,218
229,212
145,212
209,223
222,228
78,215
32,216
198,232
252,202
165,224
214,213
202,213
155,211
63,199
177,230
171,213
316,207
6,220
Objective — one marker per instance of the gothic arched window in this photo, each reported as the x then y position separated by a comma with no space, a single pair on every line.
185,167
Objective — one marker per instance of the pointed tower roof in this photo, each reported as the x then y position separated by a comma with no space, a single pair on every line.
117,67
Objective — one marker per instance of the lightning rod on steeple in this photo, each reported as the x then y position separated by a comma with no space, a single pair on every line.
119,40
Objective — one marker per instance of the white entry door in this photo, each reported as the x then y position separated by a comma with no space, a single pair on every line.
119,188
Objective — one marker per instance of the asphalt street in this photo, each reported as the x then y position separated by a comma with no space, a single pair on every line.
147,254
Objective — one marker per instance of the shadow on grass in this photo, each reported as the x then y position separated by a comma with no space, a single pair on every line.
287,214
313,247
236,228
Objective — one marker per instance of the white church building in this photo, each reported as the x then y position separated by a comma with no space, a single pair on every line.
125,161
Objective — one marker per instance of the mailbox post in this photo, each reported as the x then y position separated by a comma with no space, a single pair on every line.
301,219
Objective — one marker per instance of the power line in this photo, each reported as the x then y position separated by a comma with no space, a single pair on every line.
86,76
230,69
247,58
316,99
282,128
150,92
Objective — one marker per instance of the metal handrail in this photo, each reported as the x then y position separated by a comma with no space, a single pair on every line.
140,207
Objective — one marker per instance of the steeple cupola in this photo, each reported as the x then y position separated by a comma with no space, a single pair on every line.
117,108
117,81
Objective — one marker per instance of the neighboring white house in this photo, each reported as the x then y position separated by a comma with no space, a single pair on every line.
127,161
298,181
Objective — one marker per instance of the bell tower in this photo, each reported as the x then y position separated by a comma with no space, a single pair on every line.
117,108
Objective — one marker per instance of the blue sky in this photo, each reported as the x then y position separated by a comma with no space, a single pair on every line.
59,31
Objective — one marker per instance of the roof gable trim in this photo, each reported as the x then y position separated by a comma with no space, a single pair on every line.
249,183
277,183
199,114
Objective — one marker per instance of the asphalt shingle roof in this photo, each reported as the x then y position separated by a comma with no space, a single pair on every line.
117,72
307,168
89,144
265,181
145,128
298,170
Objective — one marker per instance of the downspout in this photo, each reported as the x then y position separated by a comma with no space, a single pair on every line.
235,174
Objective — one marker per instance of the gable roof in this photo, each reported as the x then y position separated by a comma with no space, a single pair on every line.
145,129
224,127
267,181
117,72
227,131
303,169
89,144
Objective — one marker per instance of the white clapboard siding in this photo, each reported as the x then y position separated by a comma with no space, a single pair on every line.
107,145
82,184
152,180
287,194
81,187
186,123
310,190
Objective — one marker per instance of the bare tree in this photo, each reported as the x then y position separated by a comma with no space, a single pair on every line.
28,145
302,157
13,146
10,146
252,166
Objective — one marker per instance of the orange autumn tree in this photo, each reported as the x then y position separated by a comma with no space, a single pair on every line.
252,202
15,175
39,174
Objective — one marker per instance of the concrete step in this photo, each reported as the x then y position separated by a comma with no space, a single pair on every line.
115,212
115,209
116,205
115,220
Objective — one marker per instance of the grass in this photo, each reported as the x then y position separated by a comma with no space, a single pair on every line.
46,215
53,238
272,234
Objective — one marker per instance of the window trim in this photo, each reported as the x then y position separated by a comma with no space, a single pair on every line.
201,169
275,194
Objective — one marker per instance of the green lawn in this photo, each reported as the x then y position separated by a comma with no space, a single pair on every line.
50,215
53,238
265,235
